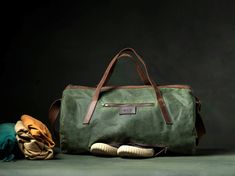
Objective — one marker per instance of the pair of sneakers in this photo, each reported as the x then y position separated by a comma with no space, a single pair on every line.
122,151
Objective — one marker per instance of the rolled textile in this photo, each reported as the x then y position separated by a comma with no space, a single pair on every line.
38,130
8,142
33,148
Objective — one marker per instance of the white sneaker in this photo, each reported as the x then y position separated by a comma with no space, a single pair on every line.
103,149
135,152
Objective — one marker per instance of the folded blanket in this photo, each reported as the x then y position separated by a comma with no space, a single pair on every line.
38,130
34,138
8,142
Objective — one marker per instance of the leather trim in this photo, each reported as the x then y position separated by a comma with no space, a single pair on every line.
164,111
90,112
129,87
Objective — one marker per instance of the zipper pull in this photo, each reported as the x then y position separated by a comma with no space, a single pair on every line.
105,105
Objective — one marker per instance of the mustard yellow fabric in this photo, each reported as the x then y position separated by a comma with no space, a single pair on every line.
38,130
34,138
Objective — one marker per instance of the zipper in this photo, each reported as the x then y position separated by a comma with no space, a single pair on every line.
127,104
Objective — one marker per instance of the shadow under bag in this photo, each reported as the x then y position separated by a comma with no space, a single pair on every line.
145,115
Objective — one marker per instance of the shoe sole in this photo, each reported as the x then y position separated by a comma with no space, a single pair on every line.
135,152
103,149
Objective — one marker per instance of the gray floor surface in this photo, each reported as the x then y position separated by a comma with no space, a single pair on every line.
205,162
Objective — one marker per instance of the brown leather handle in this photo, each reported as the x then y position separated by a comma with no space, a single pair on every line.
138,61
139,70
107,73
54,111
55,106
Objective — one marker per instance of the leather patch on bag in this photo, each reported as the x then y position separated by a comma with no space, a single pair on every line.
127,110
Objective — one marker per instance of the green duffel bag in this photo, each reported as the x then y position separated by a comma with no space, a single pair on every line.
146,115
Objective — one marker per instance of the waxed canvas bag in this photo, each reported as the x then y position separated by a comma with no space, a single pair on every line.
148,115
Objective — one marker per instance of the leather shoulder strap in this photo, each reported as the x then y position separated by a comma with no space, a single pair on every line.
200,127
54,111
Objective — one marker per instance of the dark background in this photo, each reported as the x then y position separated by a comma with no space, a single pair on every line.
45,46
